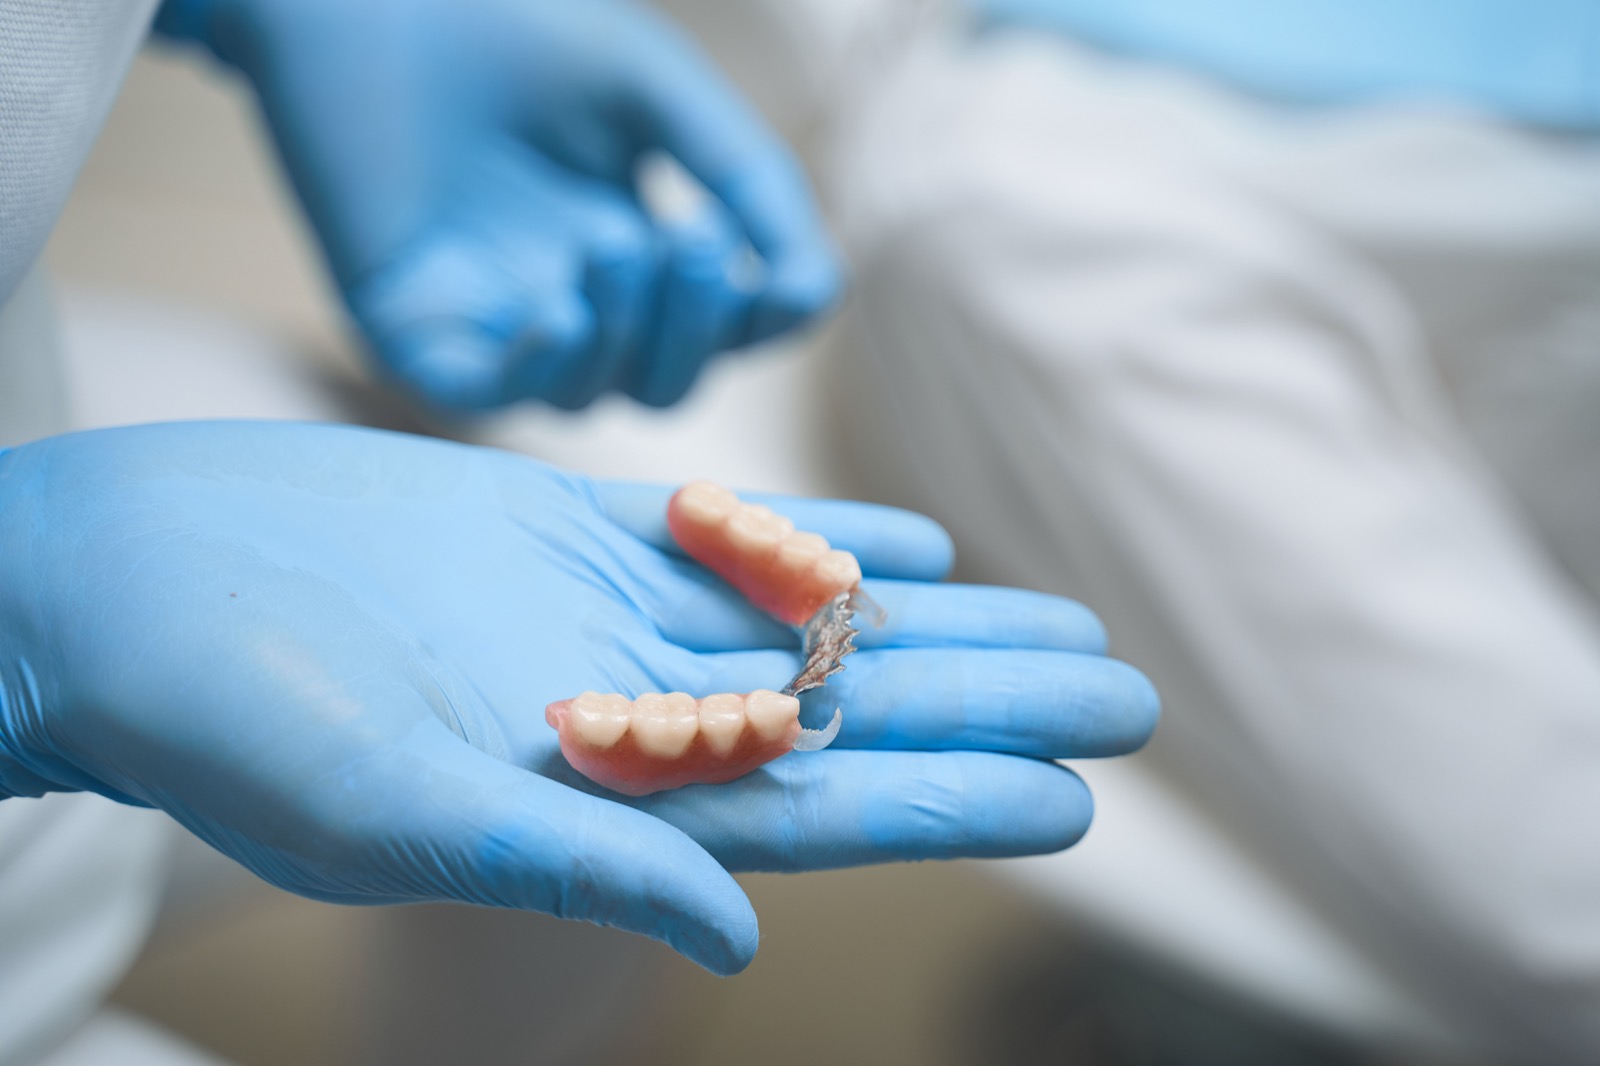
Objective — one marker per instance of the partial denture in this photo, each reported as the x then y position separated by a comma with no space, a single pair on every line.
654,741
657,742
790,575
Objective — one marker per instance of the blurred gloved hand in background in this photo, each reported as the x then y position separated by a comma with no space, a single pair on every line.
470,170
327,652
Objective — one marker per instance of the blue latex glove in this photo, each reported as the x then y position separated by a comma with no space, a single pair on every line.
469,168
327,652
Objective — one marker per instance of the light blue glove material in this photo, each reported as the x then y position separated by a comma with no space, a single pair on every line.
327,652
470,171
1526,60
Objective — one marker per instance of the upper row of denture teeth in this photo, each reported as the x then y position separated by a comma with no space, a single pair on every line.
665,725
757,531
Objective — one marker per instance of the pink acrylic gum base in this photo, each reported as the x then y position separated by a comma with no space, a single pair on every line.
624,768
760,578
767,584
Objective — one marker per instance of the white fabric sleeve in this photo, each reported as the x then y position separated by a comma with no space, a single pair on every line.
79,876
1090,339
61,63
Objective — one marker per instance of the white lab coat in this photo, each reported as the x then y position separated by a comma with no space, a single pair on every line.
1307,405
80,876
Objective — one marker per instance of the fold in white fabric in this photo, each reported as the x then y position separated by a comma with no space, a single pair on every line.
1303,403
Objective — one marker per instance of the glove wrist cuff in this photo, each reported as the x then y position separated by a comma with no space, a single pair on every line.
15,781
19,783
19,698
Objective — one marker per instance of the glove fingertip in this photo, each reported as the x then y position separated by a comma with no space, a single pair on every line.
555,338
796,296
728,947
920,549
1059,820
455,366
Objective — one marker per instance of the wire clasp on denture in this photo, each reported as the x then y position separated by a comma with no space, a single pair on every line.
827,638
658,741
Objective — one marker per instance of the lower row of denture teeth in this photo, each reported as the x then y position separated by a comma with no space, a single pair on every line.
666,725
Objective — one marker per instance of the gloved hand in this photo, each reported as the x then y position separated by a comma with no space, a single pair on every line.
470,170
327,652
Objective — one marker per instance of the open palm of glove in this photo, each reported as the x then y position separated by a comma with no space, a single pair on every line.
470,170
327,652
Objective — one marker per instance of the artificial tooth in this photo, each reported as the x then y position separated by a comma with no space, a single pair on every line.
838,569
601,719
771,712
754,528
706,504
721,721
660,725
681,705
799,551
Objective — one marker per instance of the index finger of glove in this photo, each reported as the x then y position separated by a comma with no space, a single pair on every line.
703,123
1045,704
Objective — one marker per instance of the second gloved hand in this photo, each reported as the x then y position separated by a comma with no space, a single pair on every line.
469,168
327,652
